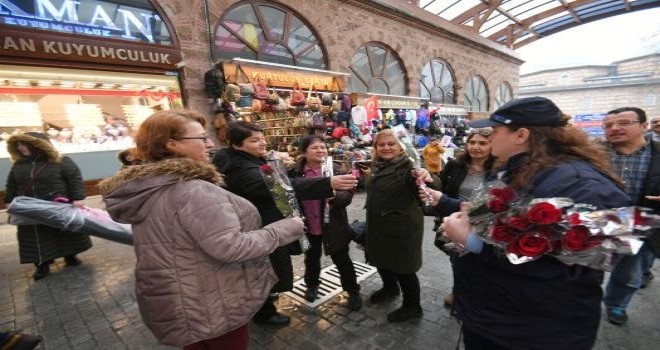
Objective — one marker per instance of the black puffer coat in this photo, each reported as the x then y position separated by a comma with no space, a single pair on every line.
44,175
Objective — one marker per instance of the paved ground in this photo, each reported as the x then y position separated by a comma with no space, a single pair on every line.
93,306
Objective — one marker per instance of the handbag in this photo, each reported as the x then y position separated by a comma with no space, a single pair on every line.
260,89
297,96
318,121
273,98
232,93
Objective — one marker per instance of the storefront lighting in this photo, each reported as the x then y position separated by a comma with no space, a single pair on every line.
66,84
285,66
21,82
396,96
45,83
87,85
107,86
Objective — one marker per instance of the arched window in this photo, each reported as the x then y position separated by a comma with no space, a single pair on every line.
503,94
376,68
437,82
266,31
476,94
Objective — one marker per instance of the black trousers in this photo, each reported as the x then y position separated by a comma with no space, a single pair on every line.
280,259
409,284
341,259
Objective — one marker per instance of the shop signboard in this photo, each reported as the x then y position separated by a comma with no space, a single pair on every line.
137,22
389,101
591,123
283,77
67,47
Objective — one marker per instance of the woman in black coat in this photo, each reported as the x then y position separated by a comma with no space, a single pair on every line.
333,236
39,171
458,180
240,164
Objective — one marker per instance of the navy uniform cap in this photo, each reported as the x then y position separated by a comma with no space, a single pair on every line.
529,111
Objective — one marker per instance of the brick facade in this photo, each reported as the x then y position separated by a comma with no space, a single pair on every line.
633,82
343,26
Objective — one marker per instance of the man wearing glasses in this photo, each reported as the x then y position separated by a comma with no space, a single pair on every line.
636,161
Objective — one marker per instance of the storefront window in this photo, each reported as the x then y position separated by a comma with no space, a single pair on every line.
476,94
437,82
81,110
262,30
376,68
503,94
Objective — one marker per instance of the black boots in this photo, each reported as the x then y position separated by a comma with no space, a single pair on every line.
405,313
311,294
72,260
384,294
354,301
42,271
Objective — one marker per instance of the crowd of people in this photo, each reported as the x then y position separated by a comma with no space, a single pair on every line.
214,246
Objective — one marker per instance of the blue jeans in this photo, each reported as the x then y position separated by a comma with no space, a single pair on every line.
626,278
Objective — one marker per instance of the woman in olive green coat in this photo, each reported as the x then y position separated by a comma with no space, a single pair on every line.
395,223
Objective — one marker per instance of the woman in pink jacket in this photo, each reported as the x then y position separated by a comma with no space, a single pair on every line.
202,256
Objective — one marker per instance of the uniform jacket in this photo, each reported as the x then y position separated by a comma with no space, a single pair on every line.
202,265
44,175
542,304
395,219
336,234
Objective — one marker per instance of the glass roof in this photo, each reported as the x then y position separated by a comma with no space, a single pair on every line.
514,23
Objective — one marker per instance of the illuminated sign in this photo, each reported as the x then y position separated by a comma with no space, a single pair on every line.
87,17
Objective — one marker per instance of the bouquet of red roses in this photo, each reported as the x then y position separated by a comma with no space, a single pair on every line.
526,228
280,187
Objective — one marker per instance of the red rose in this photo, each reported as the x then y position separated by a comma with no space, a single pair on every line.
507,194
497,205
543,213
577,239
266,169
502,234
573,218
518,222
529,244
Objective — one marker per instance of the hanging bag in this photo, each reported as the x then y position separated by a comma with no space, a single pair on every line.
313,102
273,98
232,93
297,96
260,89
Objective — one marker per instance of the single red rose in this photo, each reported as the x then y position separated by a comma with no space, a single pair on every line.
266,169
529,244
507,194
502,234
497,205
543,213
577,239
639,220
573,218
518,222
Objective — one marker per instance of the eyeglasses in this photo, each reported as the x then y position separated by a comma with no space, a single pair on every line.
621,124
482,131
204,138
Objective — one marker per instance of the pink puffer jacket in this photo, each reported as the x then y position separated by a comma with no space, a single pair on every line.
202,257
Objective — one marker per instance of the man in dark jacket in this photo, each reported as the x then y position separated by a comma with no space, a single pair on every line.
240,164
636,159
